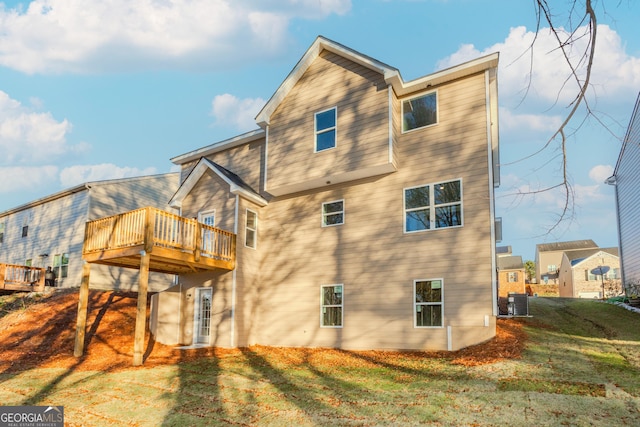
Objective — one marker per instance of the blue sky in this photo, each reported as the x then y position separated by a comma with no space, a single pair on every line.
97,90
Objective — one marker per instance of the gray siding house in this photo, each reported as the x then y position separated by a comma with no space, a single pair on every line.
50,231
363,207
626,179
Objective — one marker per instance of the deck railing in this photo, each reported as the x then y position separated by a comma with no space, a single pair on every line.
151,227
14,277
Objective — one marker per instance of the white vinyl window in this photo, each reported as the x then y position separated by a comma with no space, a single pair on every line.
251,229
208,235
512,276
428,302
433,206
420,111
333,213
325,129
331,306
61,265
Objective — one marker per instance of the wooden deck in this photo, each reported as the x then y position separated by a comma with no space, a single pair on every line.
21,278
176,245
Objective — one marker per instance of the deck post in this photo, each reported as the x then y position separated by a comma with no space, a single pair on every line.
83,298
141,314
3,268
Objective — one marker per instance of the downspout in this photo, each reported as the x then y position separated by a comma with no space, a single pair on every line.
492,214
233,277
390,104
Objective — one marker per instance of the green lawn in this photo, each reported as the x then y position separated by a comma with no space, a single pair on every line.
581,367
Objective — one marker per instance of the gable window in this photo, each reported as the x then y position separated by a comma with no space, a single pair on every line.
433,206
325,129
512,276
428,303
331,306
419,112
61,265
25,231
333,213
251,229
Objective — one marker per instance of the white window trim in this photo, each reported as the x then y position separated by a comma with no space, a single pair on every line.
414,303
203,214
316,133
323,215
336,305
255,230
419,96
432,211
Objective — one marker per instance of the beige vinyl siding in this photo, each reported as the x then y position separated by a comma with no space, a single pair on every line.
361,98
372,256
278,285
211,192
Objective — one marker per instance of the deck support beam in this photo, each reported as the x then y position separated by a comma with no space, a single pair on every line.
81,322
141,314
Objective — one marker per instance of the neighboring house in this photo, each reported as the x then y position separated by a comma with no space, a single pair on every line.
50,231
626,178
549,257
363,208
511,275
576,279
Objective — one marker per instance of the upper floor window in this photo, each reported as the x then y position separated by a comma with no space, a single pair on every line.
552,268
419,112
251,229
331,306
428,303
1,232
333,213
433,206
512,276
25,231
325,129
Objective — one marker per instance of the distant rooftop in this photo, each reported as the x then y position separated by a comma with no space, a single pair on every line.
566,246
510,263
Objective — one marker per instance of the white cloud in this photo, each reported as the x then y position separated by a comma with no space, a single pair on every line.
239,113
53,36
542,75
600,173
16,179
510,121
78,174
27,136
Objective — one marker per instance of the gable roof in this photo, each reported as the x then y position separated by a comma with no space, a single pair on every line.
236,184
391,75
513,262
576,257
566,246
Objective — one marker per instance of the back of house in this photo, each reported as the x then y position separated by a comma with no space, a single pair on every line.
363,208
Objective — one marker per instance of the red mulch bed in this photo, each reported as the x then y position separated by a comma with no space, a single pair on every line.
41,333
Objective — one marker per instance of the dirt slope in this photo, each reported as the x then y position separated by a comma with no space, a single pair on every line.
40,331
